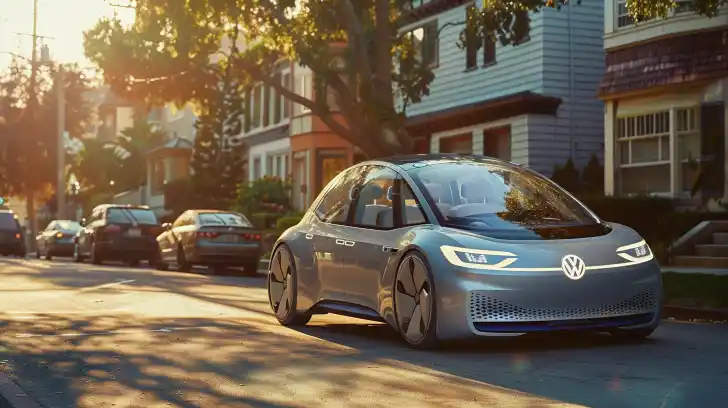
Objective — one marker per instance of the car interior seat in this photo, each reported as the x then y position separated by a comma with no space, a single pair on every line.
366,212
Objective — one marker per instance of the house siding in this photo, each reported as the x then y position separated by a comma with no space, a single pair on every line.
573,64
517,69
557,61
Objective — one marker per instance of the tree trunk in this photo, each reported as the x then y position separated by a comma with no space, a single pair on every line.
32,221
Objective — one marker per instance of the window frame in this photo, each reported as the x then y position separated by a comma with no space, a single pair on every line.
334,183
429,24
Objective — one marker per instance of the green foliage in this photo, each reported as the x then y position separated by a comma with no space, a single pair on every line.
286,222
179,196
29,132
592,177
567,176
268,194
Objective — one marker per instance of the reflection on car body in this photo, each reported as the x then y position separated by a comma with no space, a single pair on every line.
220,239
445,247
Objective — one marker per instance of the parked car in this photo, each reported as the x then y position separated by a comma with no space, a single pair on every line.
12,236
57,239
445,247
220,239
118,233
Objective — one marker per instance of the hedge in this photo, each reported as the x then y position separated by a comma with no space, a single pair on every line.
695,290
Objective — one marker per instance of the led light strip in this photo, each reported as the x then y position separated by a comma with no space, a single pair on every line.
450,253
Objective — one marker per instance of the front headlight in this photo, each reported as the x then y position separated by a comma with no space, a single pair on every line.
637,252
478,258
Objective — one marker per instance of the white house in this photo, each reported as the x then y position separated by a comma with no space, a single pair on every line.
665,89
534,103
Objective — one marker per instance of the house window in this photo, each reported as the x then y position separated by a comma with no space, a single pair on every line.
256,115
527,36
460,144
489,50
256,168
277,101
267,104
471,40
497,143
643,143
426,43
284,104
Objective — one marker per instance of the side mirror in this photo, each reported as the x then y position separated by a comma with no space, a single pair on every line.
167,226
83,222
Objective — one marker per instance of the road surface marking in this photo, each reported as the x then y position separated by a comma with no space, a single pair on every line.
106,285
112,332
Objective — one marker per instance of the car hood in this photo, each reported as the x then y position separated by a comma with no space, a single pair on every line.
597,252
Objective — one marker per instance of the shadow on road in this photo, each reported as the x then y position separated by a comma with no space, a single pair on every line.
682,366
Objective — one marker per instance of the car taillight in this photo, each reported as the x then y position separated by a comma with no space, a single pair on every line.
251,237
17,236
207,234
59,235
113,229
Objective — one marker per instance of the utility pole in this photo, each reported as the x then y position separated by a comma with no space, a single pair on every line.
61,181
32,106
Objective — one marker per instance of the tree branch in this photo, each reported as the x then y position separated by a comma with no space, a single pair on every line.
356,40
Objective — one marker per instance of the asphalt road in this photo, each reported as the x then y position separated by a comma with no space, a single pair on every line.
89,336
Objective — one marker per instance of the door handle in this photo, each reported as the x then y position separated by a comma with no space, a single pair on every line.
309,236
349,243
340,242
389,249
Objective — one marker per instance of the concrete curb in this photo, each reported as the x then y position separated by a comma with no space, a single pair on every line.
12,396
689,313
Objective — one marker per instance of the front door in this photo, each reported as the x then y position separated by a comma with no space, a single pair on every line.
712,118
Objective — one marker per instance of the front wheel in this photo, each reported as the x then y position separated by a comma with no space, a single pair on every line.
95,256
282,289
415,307
182,264
633,335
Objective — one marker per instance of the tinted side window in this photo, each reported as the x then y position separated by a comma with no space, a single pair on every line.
374,205
334,207
412,213
8,222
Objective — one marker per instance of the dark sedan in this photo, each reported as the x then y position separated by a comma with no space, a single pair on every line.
56,239
11,235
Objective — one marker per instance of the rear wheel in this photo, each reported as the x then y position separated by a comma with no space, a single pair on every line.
182,264
283,289
414,302
95,256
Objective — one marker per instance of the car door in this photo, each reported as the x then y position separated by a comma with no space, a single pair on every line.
88,231
327,231
380,222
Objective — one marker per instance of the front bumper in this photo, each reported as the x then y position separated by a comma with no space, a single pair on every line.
228,254
498,303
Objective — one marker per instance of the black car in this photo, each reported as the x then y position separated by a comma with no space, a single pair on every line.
12,237
118,233
57,239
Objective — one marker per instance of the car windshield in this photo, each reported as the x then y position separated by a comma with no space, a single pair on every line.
131,215
70,226
487,195
227,219
8,222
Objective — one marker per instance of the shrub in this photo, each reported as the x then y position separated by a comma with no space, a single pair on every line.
287,222
268,194
264,220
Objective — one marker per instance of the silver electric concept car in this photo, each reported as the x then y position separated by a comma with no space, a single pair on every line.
444,247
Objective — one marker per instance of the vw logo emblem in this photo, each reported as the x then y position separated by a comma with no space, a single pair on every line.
573,267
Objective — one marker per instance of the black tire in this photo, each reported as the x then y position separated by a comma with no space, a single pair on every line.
251,268
288,316
182,264
632,336
157,262
416,265
95,258
77,257
37,253
48,255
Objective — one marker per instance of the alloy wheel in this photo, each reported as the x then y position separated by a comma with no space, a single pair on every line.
280,289
413,299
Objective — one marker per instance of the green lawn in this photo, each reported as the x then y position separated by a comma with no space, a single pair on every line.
696,290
